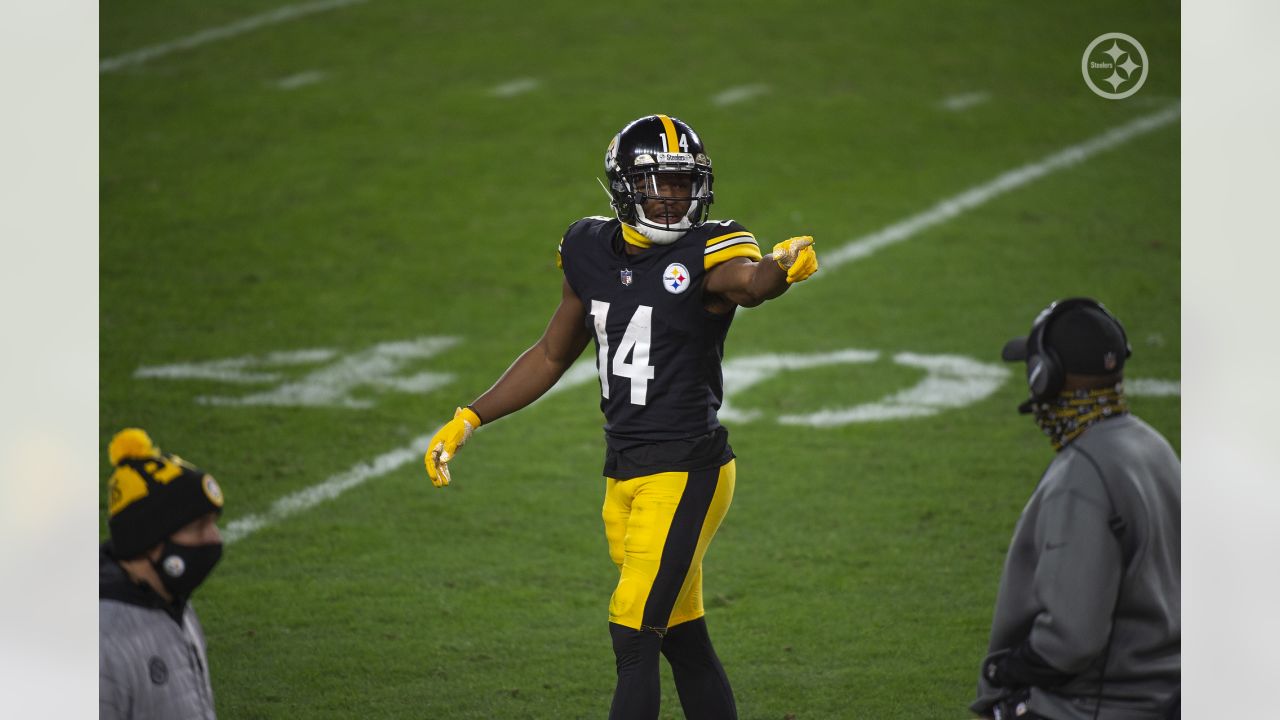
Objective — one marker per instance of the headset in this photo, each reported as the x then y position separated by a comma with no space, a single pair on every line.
1045,374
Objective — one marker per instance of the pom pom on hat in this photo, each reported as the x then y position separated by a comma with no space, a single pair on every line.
152,495
130,443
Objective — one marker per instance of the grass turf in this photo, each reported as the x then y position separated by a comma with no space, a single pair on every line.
396,198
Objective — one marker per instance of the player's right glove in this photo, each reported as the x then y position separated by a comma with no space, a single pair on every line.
796,256
446,443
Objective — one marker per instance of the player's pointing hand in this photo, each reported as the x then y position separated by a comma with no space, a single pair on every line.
796,256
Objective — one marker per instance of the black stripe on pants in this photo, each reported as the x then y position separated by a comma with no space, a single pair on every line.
677,552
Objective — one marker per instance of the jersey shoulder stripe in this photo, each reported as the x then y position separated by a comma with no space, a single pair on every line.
735,242
721,242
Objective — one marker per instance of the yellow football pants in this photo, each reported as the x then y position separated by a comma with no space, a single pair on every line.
659,527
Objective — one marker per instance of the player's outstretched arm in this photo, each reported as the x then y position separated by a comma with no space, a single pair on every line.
748,283
539,367
531,375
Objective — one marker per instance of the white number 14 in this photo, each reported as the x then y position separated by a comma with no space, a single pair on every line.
635,343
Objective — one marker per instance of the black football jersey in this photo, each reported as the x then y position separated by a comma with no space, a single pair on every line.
658,350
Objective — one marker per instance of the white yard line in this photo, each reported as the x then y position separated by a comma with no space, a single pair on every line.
240,27
953,206
735,95
857,249
1150,387
302,79
307,498
515,87
956,103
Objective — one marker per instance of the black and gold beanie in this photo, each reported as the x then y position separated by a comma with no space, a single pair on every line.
152,495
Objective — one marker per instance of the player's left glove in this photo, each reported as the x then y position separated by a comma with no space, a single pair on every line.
446,443
796,256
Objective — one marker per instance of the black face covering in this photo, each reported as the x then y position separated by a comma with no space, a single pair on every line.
183,567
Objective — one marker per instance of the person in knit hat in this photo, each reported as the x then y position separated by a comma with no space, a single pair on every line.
163,518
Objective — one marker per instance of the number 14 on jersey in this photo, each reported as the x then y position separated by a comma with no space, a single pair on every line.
635,344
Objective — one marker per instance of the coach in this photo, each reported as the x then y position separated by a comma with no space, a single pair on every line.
1088,616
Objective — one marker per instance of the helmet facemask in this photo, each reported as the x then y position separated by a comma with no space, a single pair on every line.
667,203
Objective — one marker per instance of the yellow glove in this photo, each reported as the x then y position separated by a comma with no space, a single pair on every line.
446,443
796,256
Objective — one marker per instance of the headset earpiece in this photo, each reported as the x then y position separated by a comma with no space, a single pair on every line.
1045,374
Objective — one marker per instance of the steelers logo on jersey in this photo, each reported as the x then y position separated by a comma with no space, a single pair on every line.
676,278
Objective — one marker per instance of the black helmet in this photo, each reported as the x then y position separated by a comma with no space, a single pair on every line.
646,148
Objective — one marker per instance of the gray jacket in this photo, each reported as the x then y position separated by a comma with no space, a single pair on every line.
151,655
1092,581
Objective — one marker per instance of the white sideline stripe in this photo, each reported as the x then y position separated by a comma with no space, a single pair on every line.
302,79
240,27
738,94
585,369
331,488
1001,184
964,101
515,87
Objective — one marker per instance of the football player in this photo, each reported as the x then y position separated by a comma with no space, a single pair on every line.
656,288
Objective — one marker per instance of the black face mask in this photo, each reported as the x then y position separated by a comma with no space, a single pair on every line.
183,567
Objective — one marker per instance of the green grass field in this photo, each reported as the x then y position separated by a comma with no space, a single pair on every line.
396,197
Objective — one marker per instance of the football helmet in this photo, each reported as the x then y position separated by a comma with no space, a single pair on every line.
659,163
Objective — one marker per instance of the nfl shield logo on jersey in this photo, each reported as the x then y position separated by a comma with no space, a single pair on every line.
676,278
626,277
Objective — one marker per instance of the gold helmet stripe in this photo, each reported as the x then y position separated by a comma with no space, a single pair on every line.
673,143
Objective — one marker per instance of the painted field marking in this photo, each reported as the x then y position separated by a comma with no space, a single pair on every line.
735,95
950,381
584,370
358,474
515,87
1150,387
331,488
330,386
302,79
742,373
964,101
237,370
978,195
240,27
